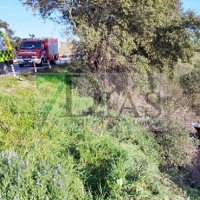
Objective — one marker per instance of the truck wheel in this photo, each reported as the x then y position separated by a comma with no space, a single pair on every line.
4,69
21,65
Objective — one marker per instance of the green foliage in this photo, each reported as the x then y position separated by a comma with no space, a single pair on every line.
91,160
127,34
23,178
194,194
190,83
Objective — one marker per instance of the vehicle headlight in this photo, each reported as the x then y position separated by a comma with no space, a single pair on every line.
19,57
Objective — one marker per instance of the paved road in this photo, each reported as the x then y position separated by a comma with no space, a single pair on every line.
30,68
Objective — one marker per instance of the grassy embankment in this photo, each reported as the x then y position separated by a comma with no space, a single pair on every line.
47,154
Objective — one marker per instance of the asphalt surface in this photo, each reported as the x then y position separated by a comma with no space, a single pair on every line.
30,68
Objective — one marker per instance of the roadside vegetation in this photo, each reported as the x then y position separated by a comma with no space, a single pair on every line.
115,122
53,149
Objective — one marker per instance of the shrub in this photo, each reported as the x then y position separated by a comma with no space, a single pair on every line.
191,87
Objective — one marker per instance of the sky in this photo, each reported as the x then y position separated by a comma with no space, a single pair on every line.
23,22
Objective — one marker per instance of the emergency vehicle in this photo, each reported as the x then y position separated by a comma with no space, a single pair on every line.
38,51
6,54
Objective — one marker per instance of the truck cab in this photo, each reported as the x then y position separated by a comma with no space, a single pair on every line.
6,54
31,50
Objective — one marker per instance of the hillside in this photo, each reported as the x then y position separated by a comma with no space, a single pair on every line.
62,149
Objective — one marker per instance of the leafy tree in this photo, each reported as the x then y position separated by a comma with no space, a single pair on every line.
15,41
124,33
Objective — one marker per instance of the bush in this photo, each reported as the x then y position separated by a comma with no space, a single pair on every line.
191,87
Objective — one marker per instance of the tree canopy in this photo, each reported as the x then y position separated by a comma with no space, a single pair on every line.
127,33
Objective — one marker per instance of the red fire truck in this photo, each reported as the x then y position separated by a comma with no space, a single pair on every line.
37,51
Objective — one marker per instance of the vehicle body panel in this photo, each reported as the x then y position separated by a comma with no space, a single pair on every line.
6,54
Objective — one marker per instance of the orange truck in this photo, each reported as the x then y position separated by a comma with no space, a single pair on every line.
38,51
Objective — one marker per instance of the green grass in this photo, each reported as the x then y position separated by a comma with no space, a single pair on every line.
47,154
